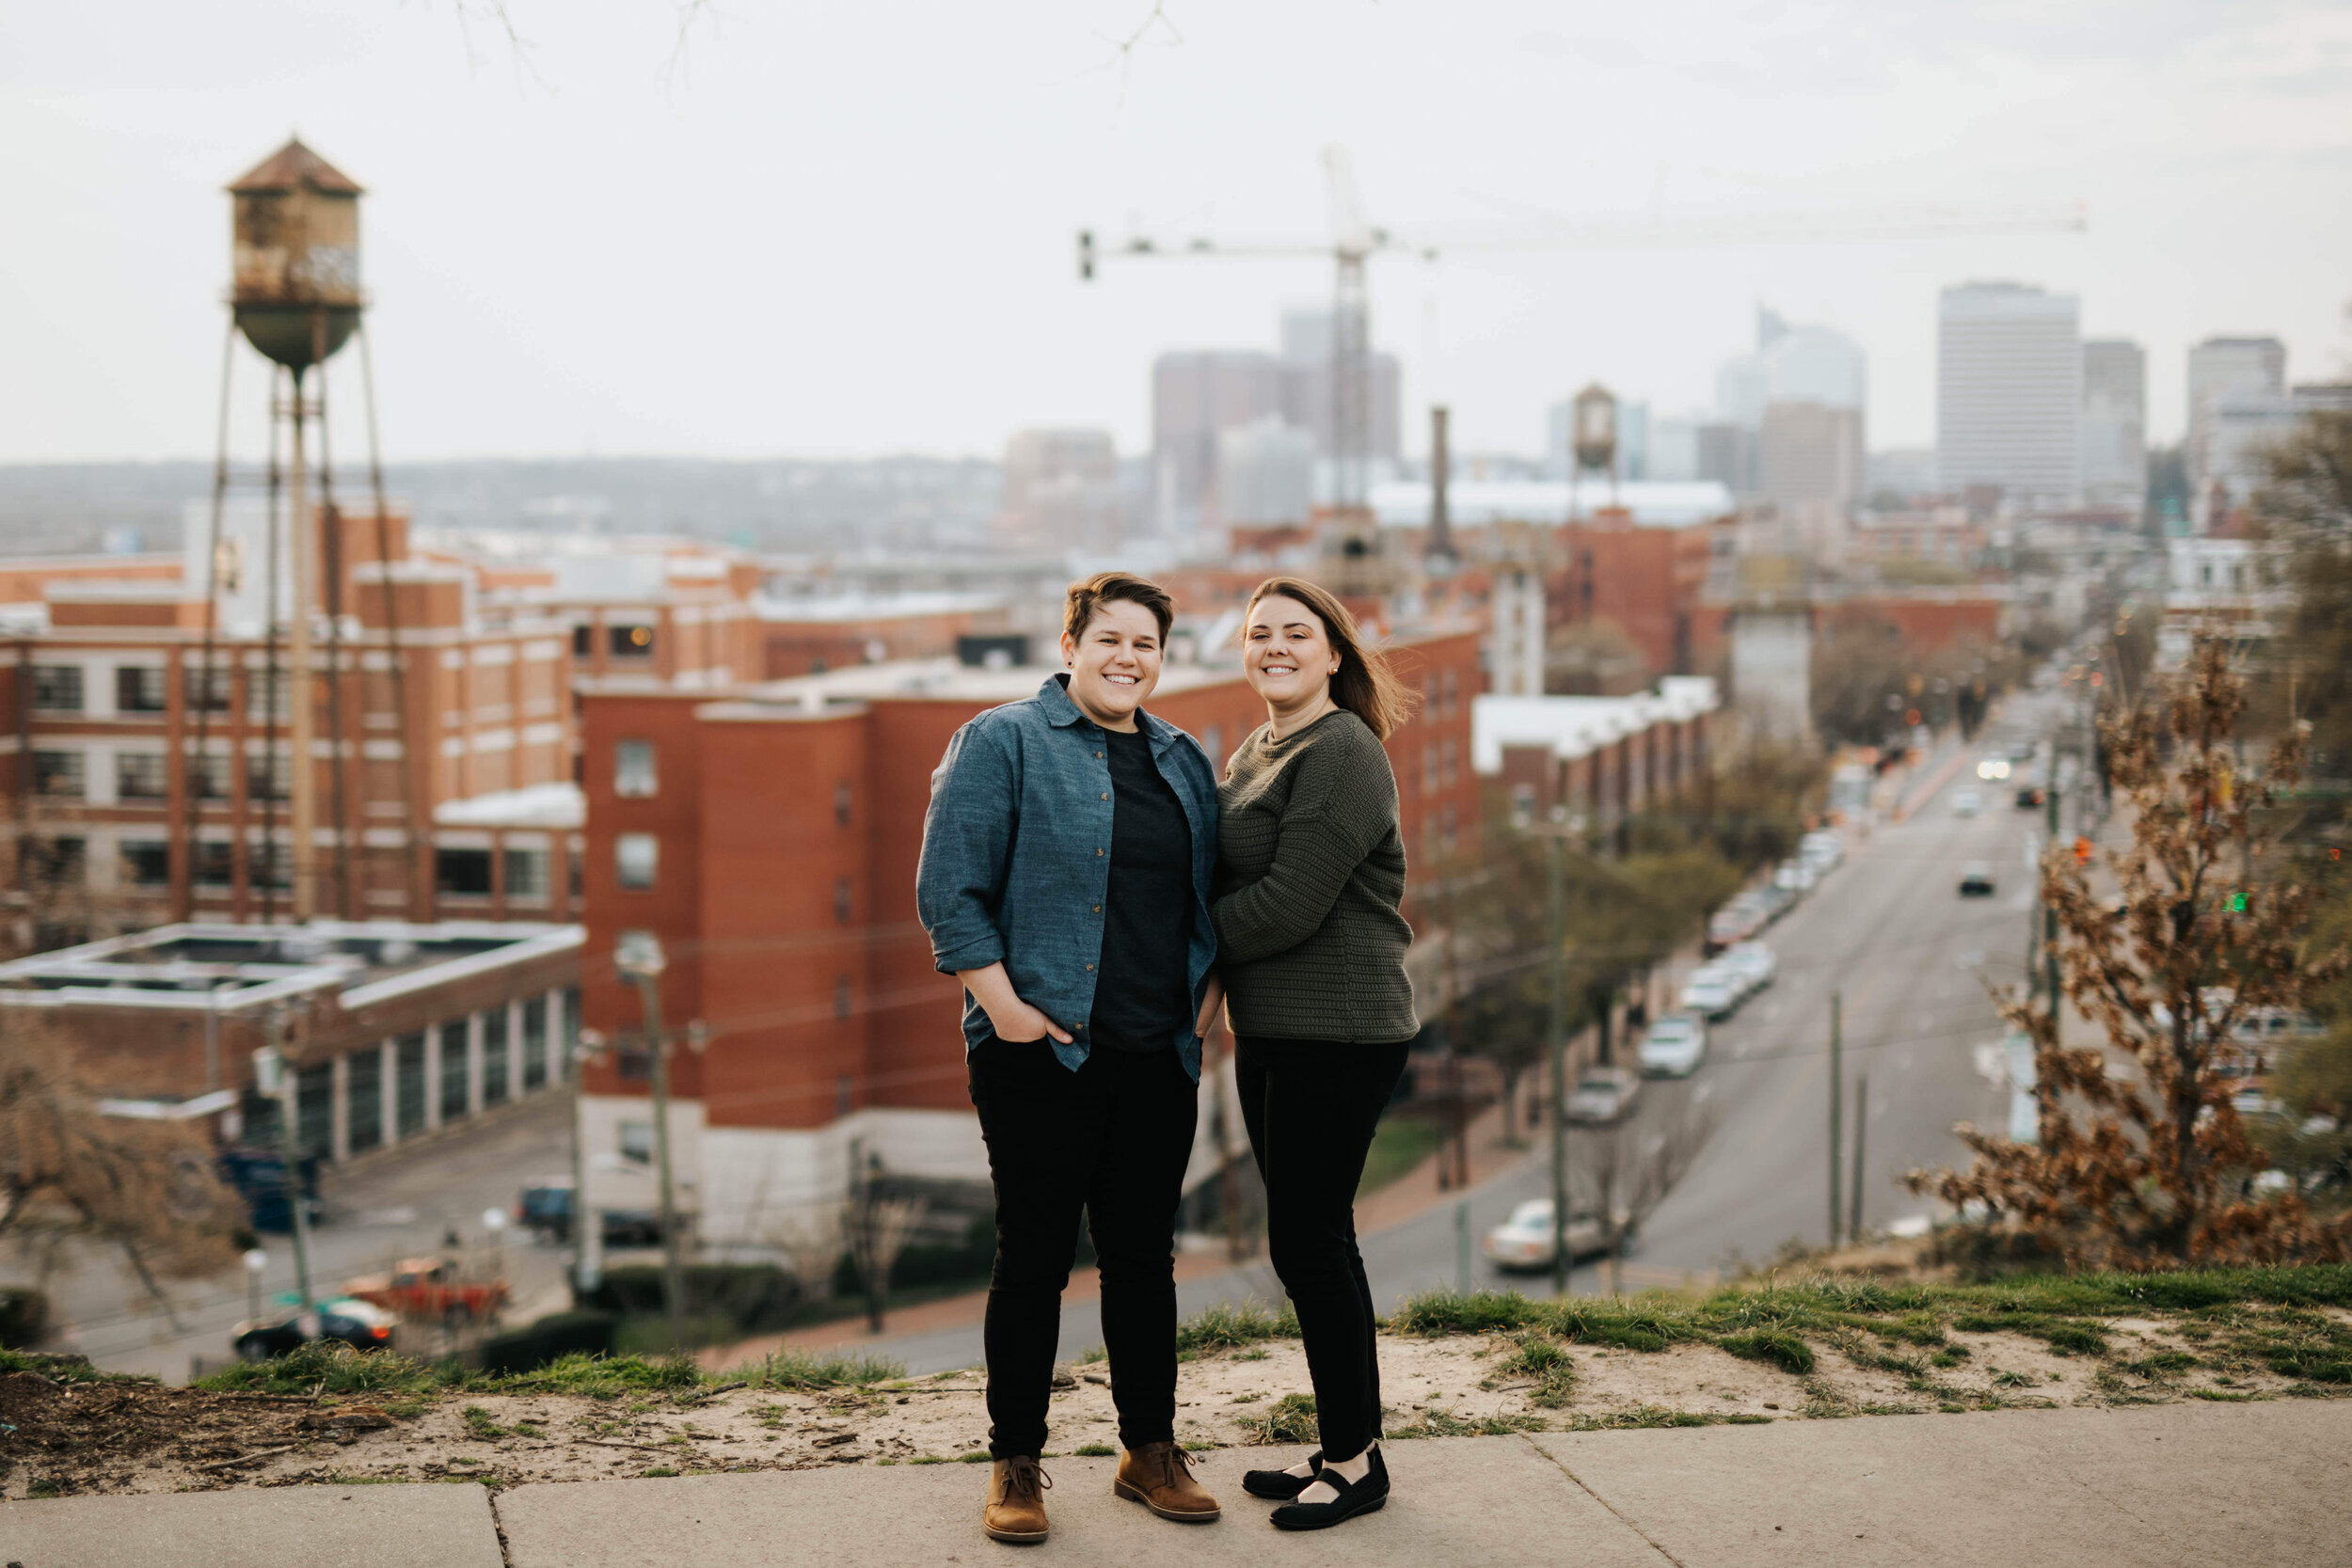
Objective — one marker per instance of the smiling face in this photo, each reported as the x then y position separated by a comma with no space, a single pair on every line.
1287,655
1114,663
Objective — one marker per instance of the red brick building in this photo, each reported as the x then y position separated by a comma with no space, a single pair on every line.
769,836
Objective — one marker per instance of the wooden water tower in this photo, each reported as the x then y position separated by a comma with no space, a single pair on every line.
295,288
294,296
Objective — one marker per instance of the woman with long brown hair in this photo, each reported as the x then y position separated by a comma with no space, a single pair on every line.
1312,946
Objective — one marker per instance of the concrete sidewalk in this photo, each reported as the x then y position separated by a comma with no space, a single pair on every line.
2268,1483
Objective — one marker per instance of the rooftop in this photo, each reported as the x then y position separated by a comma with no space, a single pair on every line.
1577,727
221,967
1654,503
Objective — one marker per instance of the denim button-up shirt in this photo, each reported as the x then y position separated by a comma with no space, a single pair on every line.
1016,858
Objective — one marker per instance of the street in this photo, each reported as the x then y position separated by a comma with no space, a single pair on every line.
1912,959
397,1204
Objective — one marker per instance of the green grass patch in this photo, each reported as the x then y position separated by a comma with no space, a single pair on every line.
1398,1145
1777,1346
834,1370
1093,1450
1548,1362
2222,1396
1223,1327
1438,1422
659,1470
928,1459
335,1368
977,1456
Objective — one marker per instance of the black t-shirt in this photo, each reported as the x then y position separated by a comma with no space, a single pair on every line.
1141,995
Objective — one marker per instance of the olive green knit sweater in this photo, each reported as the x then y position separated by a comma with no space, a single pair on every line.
1310,872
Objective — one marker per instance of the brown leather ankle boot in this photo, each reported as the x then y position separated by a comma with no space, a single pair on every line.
1016,1501
1158,1476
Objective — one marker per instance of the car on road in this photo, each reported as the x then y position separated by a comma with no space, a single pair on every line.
2030,795
1776,899
1756,964
1966,802
1674,1046
1524,1241
1975,880
1603,1096
1820,850
2021,750
431,1290
1710,993
545,1210
1992,769
346,1320
1797,875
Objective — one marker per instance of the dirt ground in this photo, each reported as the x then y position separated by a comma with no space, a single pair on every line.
65,1438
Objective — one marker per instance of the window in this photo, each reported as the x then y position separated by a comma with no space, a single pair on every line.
60,773
363,1100
584,642
1428,767
141,776
268,777
208,695
493,1055
630,642
465,873
269,867
1451,761
842,998
636,1141
1448,837
526,875
314,1108
408,1080
634,777
147,863
141,689
58,688
534,1043
209,776
1522,805
58,863
1452,689
213,863
843,798
635,858
841,895
453,1102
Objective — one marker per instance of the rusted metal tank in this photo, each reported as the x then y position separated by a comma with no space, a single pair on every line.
296,288
1595,428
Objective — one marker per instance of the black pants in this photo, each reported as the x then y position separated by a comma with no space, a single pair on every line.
1111,1138
1311,1107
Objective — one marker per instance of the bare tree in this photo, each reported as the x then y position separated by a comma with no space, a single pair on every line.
1628,1170
2157,1172
70,1172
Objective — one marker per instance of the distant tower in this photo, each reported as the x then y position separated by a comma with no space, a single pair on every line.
1591,439
296,288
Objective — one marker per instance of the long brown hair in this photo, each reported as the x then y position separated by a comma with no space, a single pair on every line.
1365,684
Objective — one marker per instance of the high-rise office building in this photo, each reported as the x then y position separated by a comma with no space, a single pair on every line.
1810,455
2009,377
1061,490
1265,474
2114,422
2232,368
1789,364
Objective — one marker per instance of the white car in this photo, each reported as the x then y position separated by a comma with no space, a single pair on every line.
1603,1094
1675,1046
1966,802
1796,877
1525,1239
1755,963
1822,848
1710,993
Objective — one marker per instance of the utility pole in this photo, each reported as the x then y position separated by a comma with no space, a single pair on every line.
1557,1031
1837,1132
272,1076
2049,914
1861,1130
639,957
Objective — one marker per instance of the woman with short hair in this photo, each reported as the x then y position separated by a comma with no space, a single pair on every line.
1312,944
1068,857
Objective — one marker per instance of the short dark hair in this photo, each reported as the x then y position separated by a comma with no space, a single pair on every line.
1089,594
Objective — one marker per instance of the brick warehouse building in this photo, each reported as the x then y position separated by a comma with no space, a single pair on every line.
769,836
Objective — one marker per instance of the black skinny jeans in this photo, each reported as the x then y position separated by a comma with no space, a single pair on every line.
1311,1107
1111,1138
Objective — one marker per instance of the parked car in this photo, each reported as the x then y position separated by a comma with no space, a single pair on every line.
1710,993
545,1210
1994,768
1796,875
1675,1046
1525,1239
2021,750
1975,880
1603,1094
2030,795
1966,802
360,1324
1755,963
1777,900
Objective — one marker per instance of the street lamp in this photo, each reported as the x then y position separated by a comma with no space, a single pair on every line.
274,1079
255,1261
639,959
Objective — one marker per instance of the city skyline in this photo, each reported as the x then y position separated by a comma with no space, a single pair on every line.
893,273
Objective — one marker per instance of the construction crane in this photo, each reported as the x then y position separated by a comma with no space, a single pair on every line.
1354,240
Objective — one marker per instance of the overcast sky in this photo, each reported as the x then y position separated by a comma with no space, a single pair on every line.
848,228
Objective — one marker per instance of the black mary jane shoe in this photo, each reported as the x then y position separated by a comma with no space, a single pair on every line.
1280,1485
1355,1496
